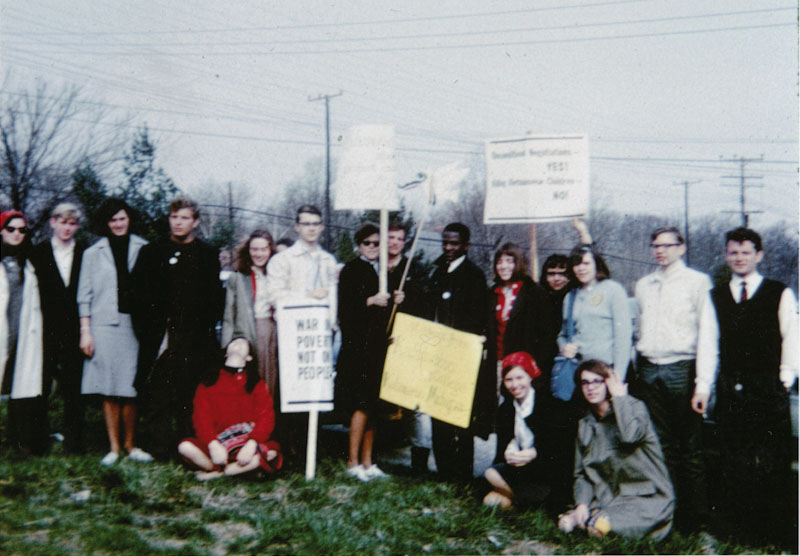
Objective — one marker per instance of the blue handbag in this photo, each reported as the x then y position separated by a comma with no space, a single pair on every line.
562,383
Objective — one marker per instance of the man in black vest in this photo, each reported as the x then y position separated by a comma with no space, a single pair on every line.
457,298
758,362
58,263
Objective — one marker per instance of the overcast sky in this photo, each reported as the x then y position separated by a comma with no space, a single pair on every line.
665,89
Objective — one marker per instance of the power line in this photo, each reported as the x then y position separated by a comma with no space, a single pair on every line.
412,48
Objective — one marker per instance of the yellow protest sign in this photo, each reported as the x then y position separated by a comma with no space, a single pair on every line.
432,367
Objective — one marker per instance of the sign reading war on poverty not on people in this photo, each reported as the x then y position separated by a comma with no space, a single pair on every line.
305,355
536,179
432,367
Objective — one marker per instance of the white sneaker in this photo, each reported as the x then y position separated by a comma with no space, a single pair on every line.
109,459
375,472
139,455
359,473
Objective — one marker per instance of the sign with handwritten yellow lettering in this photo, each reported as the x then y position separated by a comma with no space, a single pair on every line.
433,368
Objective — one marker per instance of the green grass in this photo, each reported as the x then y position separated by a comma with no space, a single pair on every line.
160,508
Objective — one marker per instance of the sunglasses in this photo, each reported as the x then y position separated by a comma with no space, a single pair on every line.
370,243
20,229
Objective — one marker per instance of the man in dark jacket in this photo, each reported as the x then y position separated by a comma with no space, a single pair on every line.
457,297
182,300
58,264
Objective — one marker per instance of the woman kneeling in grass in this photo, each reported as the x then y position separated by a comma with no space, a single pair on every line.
522,475
233,419
621,482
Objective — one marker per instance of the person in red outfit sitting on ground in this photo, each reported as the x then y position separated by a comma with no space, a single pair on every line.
233,420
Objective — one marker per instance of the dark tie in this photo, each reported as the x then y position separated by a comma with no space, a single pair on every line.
743,296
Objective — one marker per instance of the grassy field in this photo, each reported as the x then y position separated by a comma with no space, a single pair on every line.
70,505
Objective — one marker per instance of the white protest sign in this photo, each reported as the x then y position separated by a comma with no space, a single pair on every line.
536,179
305,355
366,178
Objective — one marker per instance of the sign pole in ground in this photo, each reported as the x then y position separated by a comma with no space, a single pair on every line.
311,446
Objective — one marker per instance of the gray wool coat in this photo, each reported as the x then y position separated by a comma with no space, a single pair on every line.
620,470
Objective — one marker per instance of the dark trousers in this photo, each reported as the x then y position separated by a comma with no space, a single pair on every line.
667,390
755,435
453,450
66,367
27,425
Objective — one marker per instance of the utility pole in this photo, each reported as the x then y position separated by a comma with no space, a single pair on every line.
742,185
686,185
327,214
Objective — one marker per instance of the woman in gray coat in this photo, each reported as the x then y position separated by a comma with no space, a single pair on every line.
247,311
107,339
621,482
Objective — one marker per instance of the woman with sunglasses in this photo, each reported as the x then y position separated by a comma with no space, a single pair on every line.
363,316
622,484
21,338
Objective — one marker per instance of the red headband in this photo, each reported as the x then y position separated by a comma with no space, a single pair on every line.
8,215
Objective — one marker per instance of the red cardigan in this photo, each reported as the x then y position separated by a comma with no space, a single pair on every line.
227,403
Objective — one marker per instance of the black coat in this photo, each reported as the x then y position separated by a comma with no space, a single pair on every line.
529,326
359,367
459,300
59,302
193,311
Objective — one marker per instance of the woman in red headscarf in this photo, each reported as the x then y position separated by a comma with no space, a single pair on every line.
522,470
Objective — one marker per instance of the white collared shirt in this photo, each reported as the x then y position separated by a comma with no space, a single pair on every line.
454,264
523,436
708,354
63,254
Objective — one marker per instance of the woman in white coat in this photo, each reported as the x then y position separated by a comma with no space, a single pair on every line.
105,301
21,338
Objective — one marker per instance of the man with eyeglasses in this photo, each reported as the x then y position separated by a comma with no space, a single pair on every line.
303,270
673,301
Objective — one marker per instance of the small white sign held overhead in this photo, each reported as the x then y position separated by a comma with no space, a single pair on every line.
537,178
366,179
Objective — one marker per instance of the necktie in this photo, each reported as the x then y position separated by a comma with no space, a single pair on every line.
743,296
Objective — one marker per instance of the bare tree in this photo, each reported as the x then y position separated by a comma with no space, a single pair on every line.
44,136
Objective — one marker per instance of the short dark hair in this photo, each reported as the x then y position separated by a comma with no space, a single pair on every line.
396,225
183,202
514,251
667,230
243,260
307,209
576,256
742,234
365,231
460,229
106,211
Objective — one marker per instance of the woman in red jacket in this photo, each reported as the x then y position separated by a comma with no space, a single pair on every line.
233,420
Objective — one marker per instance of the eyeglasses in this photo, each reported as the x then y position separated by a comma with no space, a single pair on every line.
556,272
20,229
657,246
366,243
309,224
594,382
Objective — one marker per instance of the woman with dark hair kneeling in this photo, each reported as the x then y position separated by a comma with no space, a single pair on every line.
233,420
621,482
522,471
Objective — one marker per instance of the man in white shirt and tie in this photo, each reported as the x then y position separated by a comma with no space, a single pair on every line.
755,340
